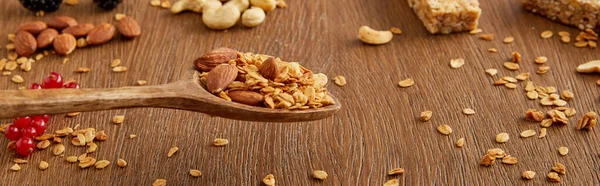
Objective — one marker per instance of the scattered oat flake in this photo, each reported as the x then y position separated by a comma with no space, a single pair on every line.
172,151
20,161
72,2
396,30
487,160
392,182
476,31
115,63
565,39
460,143
528,175
82,70
468,111
72,159
457,63
559,168
121,163
142,82
65,61
527,133
73,114
509,39
195,173
43,165
553,176
15,167
444,129
406,83
502,137
119,69
219,142
523,76
543,133
396,171
119,16
564,33
319,174
511,66
510,85
339,80
159,182
541,59
269,180
17,79
491,71
510,160
281,4
118,119
492,50
563,151
546,34
131,136
426,115
487,37
543,70
101,164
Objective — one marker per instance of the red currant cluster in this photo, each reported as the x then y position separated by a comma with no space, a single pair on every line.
25,129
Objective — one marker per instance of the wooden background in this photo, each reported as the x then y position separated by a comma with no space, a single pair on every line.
377,128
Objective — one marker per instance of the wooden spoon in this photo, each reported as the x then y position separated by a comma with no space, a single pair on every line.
185,94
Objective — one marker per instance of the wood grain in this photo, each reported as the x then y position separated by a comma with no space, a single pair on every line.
376,130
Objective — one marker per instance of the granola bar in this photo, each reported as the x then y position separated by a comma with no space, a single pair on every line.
579,13
446,16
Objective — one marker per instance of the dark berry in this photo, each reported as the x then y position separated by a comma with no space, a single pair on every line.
22,122
108,4
54,80
35,86
12,133
29,132
71,84
25,146
39,124
45,5
46,118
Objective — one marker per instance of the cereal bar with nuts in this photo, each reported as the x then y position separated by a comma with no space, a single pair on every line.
447,16
579,13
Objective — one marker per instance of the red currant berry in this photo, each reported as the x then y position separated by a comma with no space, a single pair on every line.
12,133
29,132
22,122
39,124
35,86
25,146
46,118
54,80
71,84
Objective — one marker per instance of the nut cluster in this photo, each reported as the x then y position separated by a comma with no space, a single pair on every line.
262,80
221,15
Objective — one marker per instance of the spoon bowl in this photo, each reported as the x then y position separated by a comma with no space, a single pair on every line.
187,94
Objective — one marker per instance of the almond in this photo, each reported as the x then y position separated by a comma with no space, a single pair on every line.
247,97
46,38
25,43
128,27
34,27
64,44
101,34
79,30
269,69
220,77
61,22
215,57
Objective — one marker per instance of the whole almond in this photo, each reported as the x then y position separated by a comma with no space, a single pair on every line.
80,30
25,43
34,27
61,22
46,38
101,34
269,69
64,44
128,27
215,57
247,97
220,77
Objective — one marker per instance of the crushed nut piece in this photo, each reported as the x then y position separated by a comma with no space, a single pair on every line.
219,142
457,63
502,137
131,136
172,151
319,174
534,115
491,71
528,175
426,115
487,160
528,133
118,119
269,180
15,167
460,143
406,83
101,136
516,57
444,129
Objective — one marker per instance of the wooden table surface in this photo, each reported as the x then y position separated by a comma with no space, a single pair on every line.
376,130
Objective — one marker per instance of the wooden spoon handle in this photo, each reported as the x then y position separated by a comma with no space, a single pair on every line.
14,103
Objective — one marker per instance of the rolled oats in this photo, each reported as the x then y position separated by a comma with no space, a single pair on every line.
567,95
487,37
58,149
511,66
159,182
219,142
195,173
509,39
340,80
546,34
87,162
588,121
468,111
491,71
487,160
392,182
172,151
542,133
20,161
523,76
553,177
444,129
563,151
528,175
534,115
509,160
476,31
541,60
496,152
532,95
559,168
457,63
502,137
269,180
460,143
319,174
406,83
426,115
396,30
510,85
15,167
565,39
118,119
546,123
492,50
527,133
543,69
396,171
71,159
101,164
123,163
43,165
17,79
119,69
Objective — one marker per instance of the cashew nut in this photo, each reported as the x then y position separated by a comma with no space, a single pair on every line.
589,67
266,5
211,5
242,5
222,18
374,37
191,5
253,17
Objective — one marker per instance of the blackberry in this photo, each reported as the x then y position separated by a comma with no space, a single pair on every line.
107,4
44,5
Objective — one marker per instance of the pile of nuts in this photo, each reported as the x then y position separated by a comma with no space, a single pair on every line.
220,16
64,34
262,80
